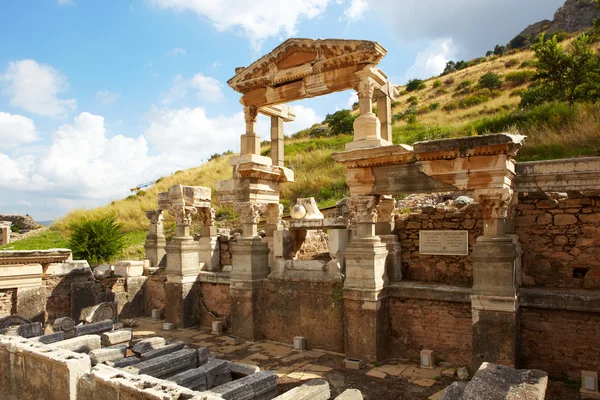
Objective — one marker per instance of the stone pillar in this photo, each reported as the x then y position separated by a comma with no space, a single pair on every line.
250,260
367,128
273,214
384,228
155,241
183,267
495,293
277,137
365,301
5,232
384,113
250,141
209,241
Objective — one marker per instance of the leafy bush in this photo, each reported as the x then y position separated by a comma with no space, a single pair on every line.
449,81
519,78
14,228
411,99
437,83
422,86
472,101
489,53
464,84
450,106
490,80
96,240
499,50
340,122
413,84
517,92
441,91
511,63
411,119
528,64
434,106
518,42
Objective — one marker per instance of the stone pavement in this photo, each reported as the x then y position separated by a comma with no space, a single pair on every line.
396,379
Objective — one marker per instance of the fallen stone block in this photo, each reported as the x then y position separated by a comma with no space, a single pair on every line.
161,351
94,329
316,389
116,337
125,362
497,382
50,338
79,344
99,312
165,365
64,324
350,394
29,330
145,345
240,370
253,386
113,353
454,391
217,372
129,268
194,379
354,363
203,355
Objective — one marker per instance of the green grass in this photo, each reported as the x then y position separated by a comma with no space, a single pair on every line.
48,239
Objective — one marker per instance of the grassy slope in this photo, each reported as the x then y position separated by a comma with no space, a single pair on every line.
317,175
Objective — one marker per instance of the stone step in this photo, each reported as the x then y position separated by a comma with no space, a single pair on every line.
261,385
161,351
80,344
50,338
113,353
316,389
30,330
165,365
148,344
95,328
116,337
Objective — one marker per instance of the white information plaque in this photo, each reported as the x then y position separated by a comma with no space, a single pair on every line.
446,243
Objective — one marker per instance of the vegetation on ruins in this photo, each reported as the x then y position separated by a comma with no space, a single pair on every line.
96,239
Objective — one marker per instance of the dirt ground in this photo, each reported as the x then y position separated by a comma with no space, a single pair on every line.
393,379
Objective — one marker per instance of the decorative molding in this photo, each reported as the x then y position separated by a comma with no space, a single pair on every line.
496,203
363,209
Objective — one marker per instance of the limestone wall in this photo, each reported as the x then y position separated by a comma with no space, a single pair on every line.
7,302
560,237
450,270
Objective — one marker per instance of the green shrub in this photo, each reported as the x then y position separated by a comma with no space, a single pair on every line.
411,99
472,101
511,63
96,240
411,119
397,117
450,106
437,83
519,78
464,84
528,64
434,106
422,86
490,80
518,42
449,81
477,60
413,84
517,92
395,104
340,122
14,228
499,50
441,91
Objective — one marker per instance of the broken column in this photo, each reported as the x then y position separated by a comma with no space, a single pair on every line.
384,228
209,241
495,293
250,266
5,232
365,302
250,141
273,214
384,96
155,241
183,262
278,114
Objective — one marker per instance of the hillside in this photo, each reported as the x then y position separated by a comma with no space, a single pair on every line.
448,106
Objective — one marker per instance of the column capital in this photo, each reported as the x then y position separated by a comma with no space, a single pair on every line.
249,212
250,114
182,214
363,209
365,87
496,203
385,208
155,216
273,213
207,215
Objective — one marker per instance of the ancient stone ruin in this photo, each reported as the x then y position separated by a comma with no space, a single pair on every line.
487,263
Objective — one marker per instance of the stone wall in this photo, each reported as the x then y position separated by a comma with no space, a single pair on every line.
453,270
426,324
310,309
562,343
62,286
8,300
214,303
560,237
156,296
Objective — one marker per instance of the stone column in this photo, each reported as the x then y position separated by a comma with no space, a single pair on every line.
273,214
367,128
250,259
250,141
384,113
209,243
155,241
385,229
183,267
495,293
277,137
365,301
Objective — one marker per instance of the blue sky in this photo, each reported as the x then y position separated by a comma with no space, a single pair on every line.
98,96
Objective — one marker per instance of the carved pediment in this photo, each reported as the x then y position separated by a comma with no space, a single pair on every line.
297,59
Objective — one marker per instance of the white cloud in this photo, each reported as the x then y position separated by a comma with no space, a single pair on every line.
177,51
356,10
106,96
16,130
352,99
35,88
215,65
206,88
432,60
305,118
25,203
258,20
66,2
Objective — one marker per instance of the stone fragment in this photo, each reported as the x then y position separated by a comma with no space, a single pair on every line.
165,365
99,313
168,326
316,389
156,313
79,344
354,363
240,370
203,355
350,394
251,387
462,373
233,340
129,268
112,353
194,379
217,327
116,337
126,362
148,344
30,330
299,343
449,372
376,373
94,328
497,382
64,324
50,338
217,372
454,391
102,271
170,348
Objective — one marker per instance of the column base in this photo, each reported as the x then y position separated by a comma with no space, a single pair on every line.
365,264
250,259
183,256
155,251
181,303
209,253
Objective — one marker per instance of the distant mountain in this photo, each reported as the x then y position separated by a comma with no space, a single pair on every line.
45,223
573,16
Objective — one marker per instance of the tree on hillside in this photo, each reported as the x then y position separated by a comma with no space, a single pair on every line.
564,76
490,80
414,84
341,121
499,50
518,41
